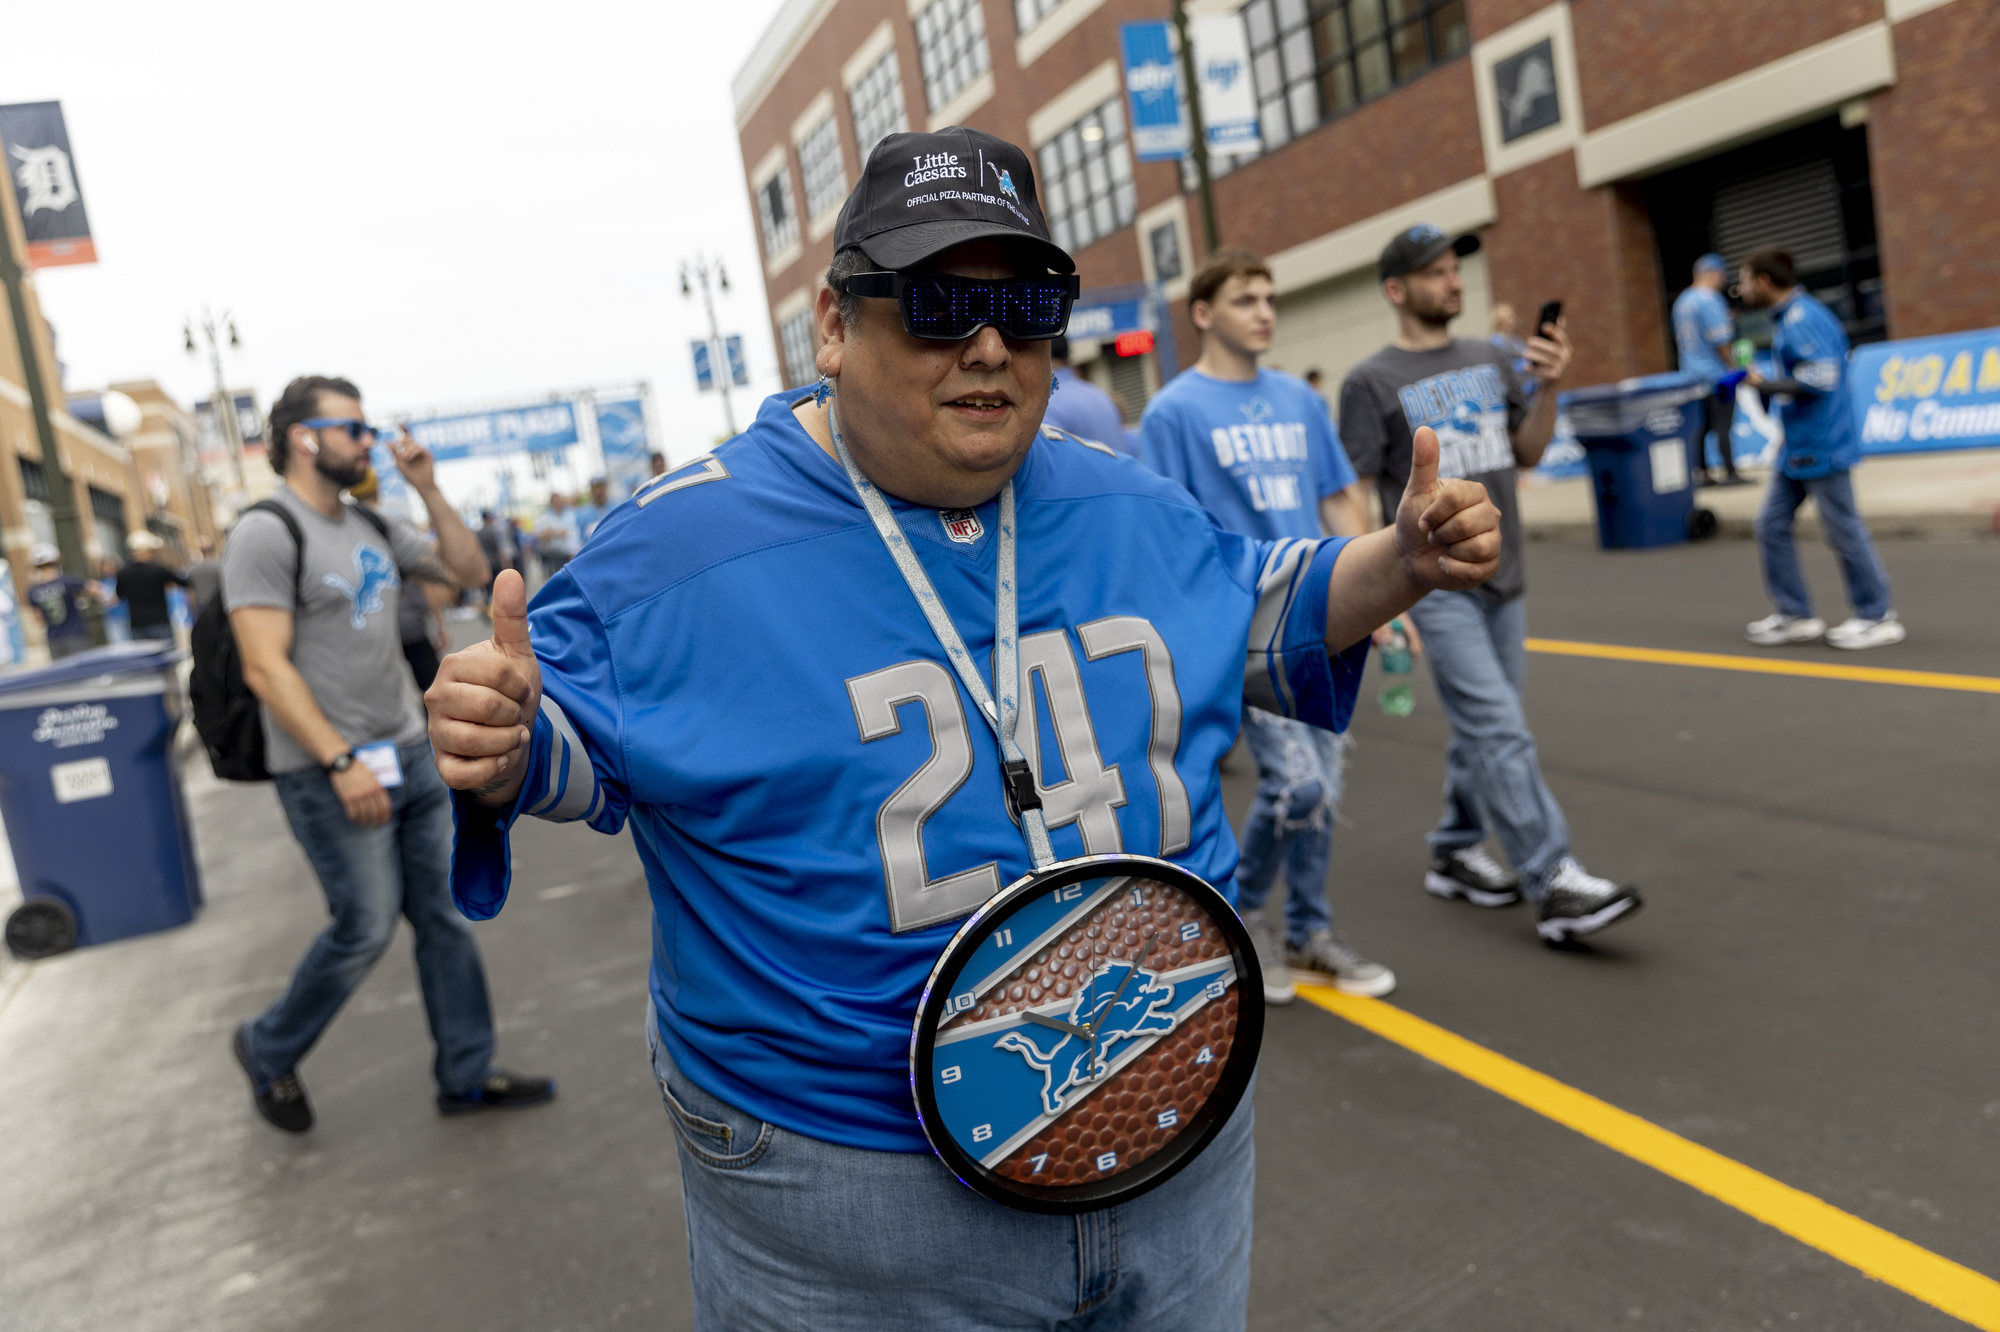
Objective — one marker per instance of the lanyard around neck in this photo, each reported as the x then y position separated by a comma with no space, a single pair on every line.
1018,780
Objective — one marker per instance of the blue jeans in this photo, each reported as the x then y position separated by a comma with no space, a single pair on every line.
1867,584
1291,820
790,1234
1478,658
370,875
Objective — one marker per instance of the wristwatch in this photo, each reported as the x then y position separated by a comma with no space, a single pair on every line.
341,763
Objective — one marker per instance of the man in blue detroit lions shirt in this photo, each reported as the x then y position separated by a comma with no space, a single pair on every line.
1822,446
1256,447
735,667
1702,333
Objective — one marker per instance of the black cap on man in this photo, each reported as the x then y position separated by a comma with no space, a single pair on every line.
920,194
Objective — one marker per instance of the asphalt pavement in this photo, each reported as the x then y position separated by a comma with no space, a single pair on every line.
1810,991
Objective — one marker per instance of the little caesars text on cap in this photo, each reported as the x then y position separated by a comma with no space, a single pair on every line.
1418,247
921,194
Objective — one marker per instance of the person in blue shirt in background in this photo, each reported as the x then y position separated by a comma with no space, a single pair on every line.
1079,406
1703,331
1257,448
1822,445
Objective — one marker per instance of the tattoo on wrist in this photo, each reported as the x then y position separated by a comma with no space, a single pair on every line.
491,788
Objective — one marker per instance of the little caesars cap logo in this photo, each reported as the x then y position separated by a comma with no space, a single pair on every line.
961,525
935,166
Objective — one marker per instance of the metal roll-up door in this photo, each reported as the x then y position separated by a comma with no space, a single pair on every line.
1797,207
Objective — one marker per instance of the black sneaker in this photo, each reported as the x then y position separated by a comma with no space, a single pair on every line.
1470,874
282,1100
501,1091
1580,903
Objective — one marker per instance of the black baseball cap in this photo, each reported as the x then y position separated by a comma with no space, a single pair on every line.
1418,247
921,194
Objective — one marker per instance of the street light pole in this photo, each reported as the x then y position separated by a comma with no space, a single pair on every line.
225,406
1198,133
718,354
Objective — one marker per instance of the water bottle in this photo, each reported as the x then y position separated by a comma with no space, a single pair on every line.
1395,697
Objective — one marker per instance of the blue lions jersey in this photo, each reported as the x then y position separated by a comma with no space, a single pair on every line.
734,667
1809,345
1702,330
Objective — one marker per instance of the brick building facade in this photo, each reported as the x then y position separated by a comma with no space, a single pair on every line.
1598,146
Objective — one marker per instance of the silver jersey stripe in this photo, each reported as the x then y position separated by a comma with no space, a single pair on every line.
573,786
1051,432
1278,586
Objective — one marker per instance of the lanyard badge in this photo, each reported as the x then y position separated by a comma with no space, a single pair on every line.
1093,1026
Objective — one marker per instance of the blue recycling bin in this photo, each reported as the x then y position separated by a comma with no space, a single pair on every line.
90,788
1635,436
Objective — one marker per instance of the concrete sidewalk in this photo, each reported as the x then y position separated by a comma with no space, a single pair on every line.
1948,496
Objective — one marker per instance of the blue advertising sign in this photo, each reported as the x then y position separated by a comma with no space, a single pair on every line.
1923,395
739,369
621,432
538,429
1107,319
704,373
1153,91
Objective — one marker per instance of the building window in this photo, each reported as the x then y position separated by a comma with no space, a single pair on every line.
1087,179
876,100
951,42
796,336
1027,13
1312,60
1166,242
109,510
824,172
34,480
775,211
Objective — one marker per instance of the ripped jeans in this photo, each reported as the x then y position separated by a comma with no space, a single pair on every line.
1291,821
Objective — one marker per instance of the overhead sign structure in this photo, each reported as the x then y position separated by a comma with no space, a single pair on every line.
1228,97
543,428
621,433
1928,394
1153,91
35,146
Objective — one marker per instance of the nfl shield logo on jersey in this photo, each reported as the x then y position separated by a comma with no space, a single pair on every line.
961,525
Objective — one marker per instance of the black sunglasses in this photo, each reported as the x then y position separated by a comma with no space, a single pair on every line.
939,307
357,429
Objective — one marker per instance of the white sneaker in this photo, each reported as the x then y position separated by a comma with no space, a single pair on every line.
1858,633
1779,629
1269,936
1326,959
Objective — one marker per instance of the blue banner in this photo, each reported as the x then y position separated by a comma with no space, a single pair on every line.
539,429
621,431
1153,92
1107,319
1928,394
704,372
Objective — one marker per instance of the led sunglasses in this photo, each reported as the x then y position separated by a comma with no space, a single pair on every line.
357,429
941,308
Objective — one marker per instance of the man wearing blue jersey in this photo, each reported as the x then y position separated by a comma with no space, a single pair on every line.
1822,446
1256,447
736,666
1080,407
1703,331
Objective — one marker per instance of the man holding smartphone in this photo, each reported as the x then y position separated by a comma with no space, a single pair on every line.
1466,390
312,588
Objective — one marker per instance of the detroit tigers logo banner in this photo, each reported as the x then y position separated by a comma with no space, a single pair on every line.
34,144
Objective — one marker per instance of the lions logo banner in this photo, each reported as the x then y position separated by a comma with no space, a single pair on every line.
34,144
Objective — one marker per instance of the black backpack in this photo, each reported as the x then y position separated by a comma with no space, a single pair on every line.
226,713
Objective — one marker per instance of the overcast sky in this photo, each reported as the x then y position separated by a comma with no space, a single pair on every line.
443,202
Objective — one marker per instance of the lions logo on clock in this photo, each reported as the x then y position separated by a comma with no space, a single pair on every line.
1087,1033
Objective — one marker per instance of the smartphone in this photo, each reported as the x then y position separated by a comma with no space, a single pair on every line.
1551,311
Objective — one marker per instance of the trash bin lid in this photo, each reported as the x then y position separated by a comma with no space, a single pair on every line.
1613,410
119,668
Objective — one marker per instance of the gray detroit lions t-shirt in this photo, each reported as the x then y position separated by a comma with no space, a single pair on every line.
1468,393
344,636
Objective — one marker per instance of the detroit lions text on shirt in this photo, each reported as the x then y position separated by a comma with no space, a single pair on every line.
1468,409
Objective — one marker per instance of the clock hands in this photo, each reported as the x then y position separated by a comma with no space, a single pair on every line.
1041,1021
1130,972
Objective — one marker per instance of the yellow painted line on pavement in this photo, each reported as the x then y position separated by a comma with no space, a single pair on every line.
1718,661
1959,1291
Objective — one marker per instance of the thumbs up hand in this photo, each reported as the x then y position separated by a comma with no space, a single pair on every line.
1448,532
484,700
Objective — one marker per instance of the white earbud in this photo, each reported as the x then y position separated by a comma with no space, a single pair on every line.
311,444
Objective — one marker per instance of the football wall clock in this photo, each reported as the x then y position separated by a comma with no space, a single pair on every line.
1087,1032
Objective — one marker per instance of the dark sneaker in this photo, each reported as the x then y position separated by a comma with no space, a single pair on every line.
1469,874
1580,903
1268,934
282,1101
501,1091
1325,959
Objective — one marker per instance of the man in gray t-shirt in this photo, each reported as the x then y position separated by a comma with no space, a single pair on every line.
315,623
1466,391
